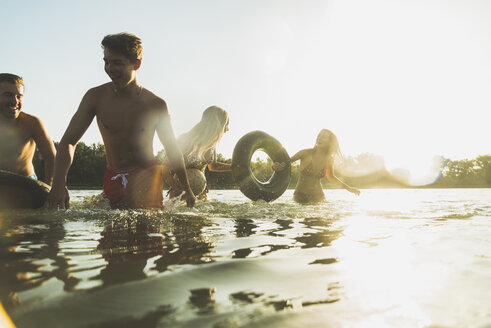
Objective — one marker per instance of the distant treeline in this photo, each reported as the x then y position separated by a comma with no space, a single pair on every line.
473,173
89,166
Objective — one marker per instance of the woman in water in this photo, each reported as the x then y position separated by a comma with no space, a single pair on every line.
316,163
198,148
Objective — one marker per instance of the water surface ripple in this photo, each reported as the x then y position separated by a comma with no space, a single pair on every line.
389,258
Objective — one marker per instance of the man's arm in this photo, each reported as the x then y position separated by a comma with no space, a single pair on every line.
46,148
174,154
174,185
59,197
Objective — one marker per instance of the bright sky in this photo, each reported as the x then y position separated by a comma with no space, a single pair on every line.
405,79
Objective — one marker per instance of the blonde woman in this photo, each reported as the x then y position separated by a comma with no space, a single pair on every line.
198,147
315,164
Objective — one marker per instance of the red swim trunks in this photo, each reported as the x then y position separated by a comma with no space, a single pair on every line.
140,187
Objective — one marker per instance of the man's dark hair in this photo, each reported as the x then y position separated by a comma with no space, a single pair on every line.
126,44
11,78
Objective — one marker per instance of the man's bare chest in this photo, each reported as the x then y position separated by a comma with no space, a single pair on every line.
125,117
15,143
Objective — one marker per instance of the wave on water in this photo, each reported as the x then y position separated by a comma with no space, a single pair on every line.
95,207
230,262
98,207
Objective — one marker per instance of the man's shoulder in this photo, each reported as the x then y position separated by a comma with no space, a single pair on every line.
30,123
95,95
153,100
26,118
100,89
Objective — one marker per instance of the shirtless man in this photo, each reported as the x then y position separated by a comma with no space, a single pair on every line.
128,116
21,133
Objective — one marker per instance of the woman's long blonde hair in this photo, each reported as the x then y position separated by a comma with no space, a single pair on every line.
334,151
206,134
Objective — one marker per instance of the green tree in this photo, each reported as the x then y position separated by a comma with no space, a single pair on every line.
483,169
88,167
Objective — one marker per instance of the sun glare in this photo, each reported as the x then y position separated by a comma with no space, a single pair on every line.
415,170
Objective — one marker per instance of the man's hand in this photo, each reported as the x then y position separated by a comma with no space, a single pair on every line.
190,199
58,198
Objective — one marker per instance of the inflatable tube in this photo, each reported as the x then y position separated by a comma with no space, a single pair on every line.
17,191
197,181
248,184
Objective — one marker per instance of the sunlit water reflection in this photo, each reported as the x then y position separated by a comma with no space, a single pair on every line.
389,258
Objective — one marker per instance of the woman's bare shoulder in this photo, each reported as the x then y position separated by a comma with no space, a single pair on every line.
304,152
301,154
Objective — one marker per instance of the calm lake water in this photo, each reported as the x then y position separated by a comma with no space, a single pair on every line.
388,258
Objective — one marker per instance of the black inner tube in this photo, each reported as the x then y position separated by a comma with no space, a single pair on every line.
17,191
248,184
